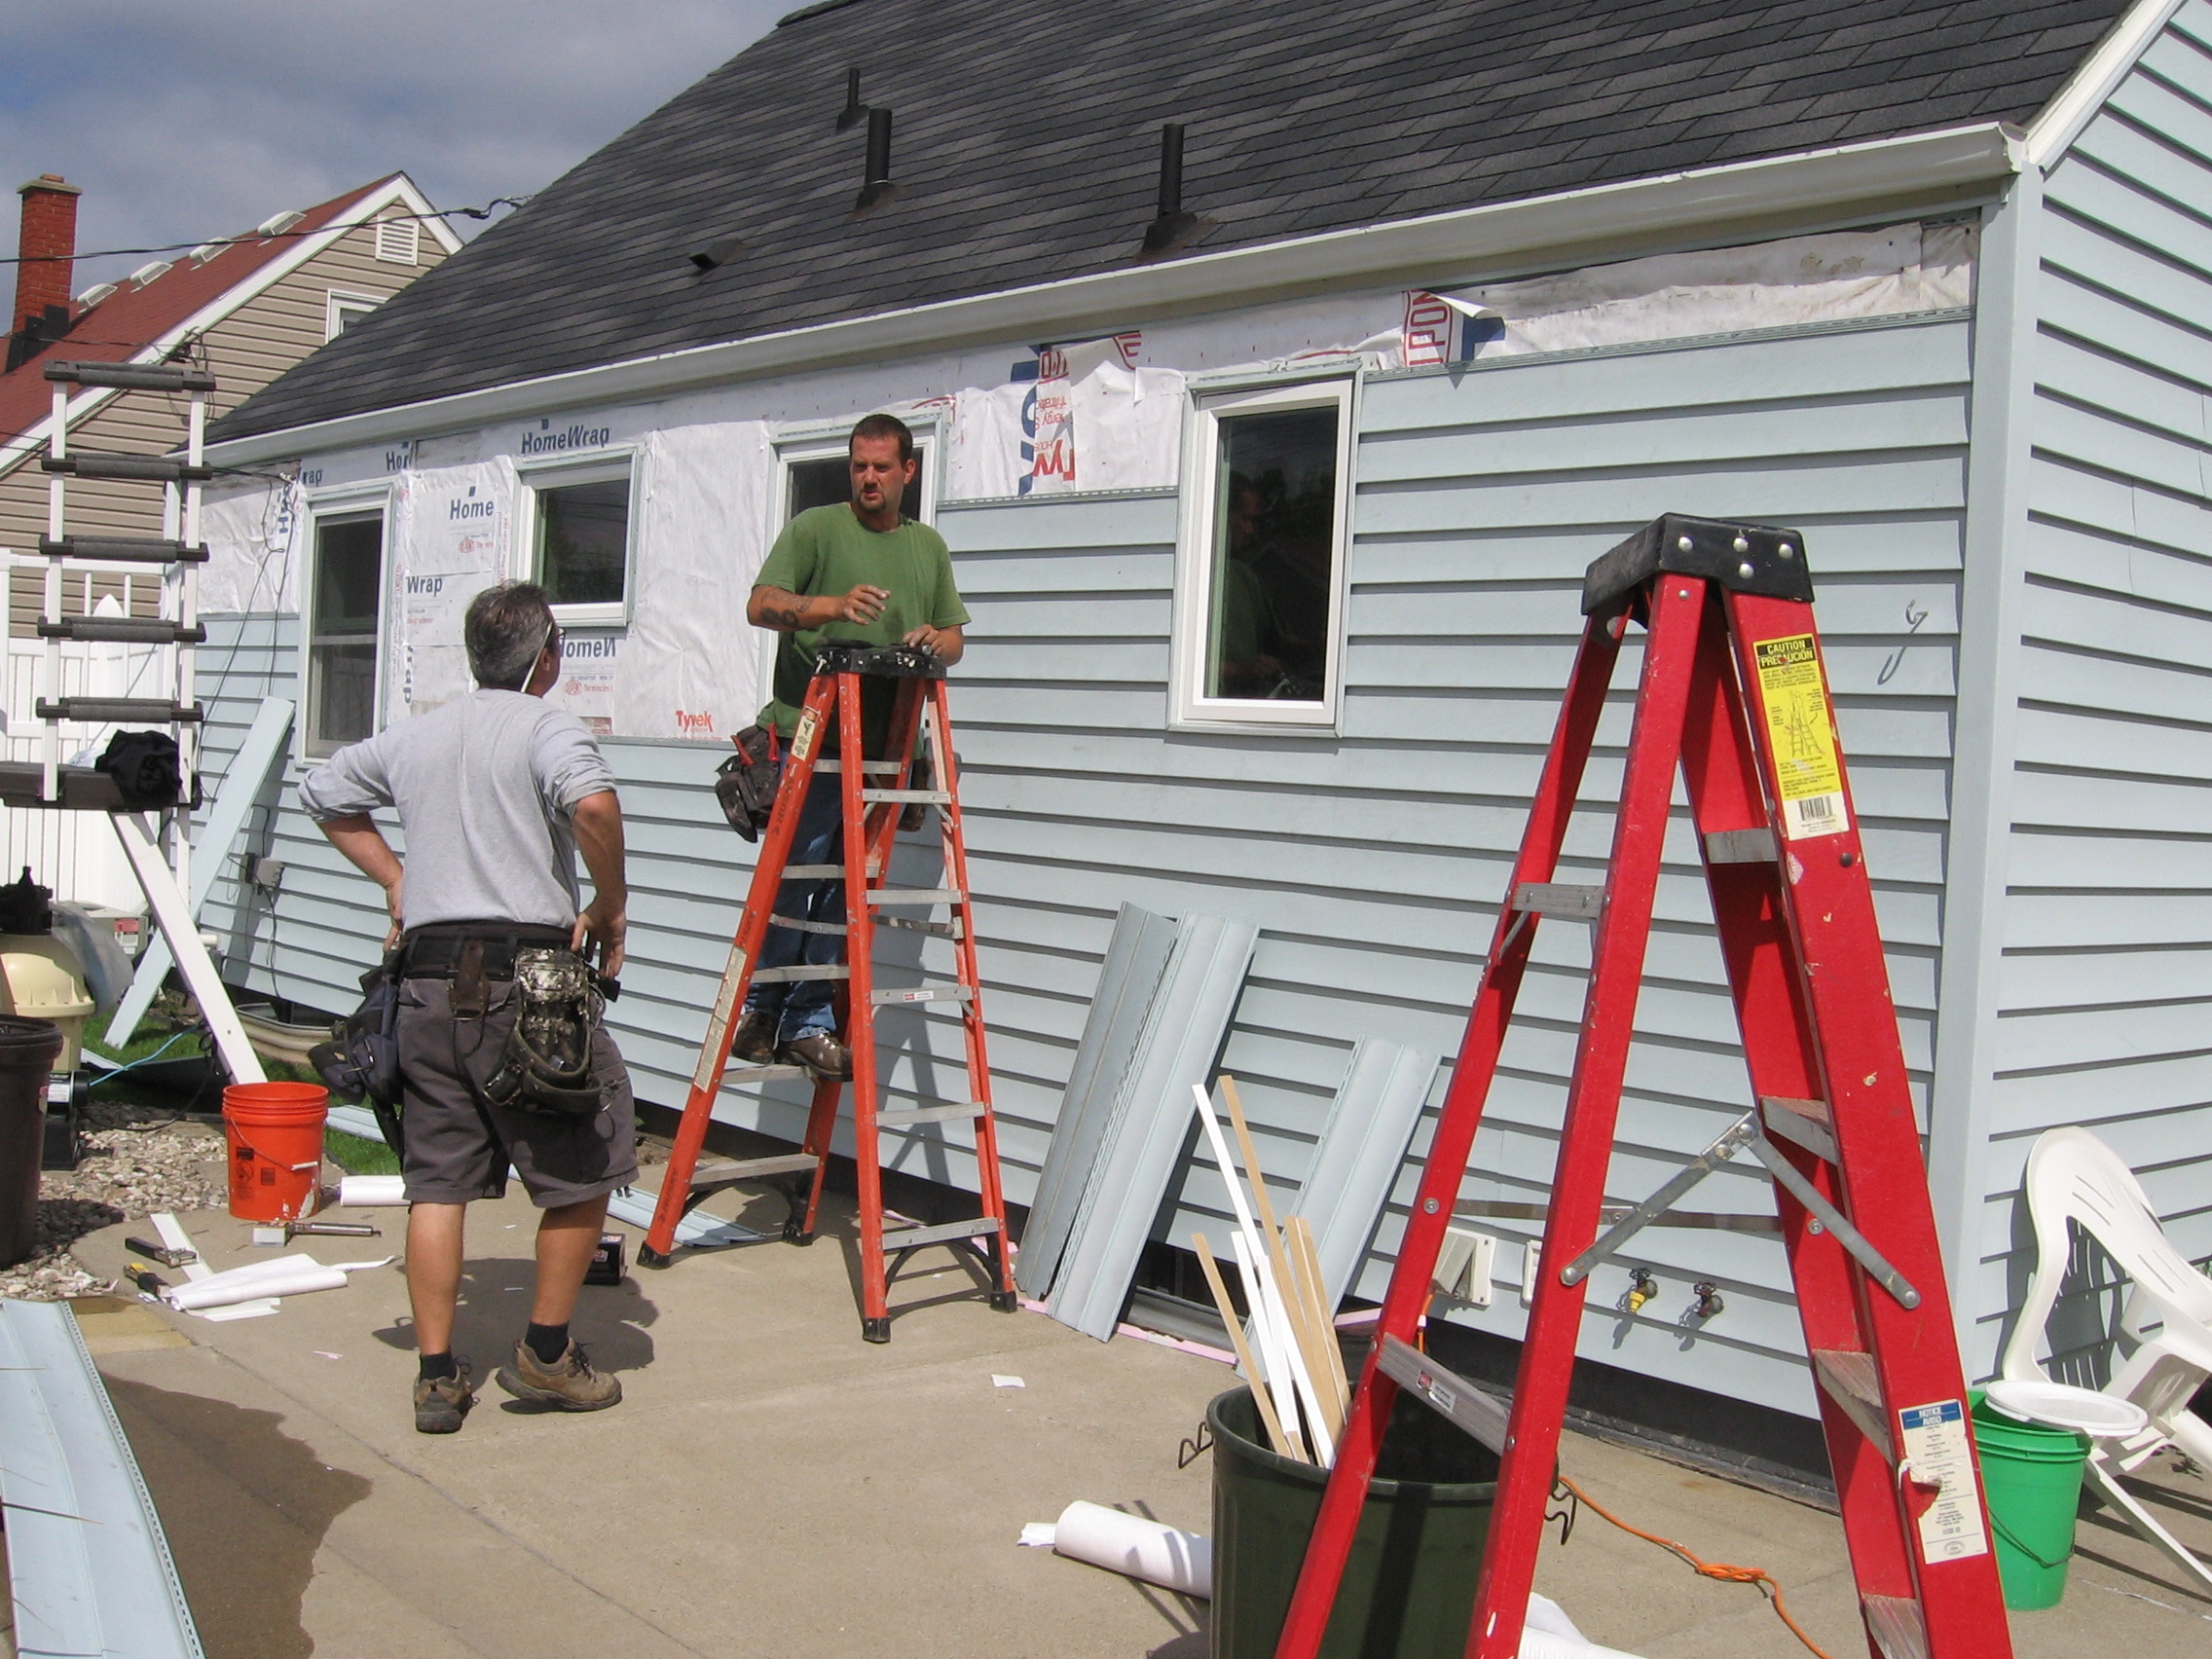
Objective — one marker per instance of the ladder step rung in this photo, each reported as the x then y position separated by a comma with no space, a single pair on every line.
922,994
914,1238
709,1175
740,1074
1802,1122
792,975
1850,1378
869,768
914,924
915,896
146,468
927,798
103,708
122,550
795,925
813,872
1896,1626
1740,846
931,1113
1453,1396
133,377
1559,899
126,630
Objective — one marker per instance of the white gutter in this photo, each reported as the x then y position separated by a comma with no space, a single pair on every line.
1443,247
2084,93
400,189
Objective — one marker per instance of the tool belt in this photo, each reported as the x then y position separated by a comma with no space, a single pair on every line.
546,1065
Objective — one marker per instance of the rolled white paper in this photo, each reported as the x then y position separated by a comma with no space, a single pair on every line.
286,1275
367,1191
1130,1544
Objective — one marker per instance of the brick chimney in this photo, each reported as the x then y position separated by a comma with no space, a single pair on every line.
47,247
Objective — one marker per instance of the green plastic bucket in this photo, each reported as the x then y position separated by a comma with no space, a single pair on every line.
1409,1587
2031,1475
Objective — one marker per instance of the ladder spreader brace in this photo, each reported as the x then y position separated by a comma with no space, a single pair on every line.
1734,699
875,793
177,552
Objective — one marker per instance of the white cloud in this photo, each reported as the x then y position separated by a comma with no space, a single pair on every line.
188,121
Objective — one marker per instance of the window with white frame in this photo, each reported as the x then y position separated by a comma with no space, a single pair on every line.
341,310
1260,594
580,525
815,474
344,616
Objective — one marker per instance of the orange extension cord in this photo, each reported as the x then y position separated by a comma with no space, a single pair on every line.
1766,1581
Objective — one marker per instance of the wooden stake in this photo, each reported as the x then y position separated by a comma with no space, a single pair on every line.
1300,1232
1280,1441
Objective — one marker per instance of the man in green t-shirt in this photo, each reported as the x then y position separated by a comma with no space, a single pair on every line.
861,572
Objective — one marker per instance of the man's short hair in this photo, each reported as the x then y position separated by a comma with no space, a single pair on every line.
884,427
506,629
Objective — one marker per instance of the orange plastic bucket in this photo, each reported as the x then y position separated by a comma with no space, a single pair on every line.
276,1135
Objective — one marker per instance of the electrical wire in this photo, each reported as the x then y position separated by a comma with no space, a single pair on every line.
148,1060
1769,1586
483,212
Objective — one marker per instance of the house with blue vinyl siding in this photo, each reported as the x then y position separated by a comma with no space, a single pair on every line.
1276,372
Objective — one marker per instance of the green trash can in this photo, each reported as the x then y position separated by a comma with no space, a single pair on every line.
2031,1476
1409,1587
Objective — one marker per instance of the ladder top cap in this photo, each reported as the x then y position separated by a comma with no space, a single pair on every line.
899,662
1748,557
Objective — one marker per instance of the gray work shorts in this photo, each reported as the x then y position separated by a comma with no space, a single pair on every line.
459,1144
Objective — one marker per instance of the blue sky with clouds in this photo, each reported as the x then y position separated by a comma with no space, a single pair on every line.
190,119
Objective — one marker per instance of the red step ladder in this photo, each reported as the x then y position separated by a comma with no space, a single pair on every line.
871,815
1734,697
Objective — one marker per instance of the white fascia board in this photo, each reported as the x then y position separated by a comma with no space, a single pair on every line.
351,218
2084,92
1433,248
417,202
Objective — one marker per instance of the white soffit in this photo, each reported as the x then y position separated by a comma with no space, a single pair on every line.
1439,247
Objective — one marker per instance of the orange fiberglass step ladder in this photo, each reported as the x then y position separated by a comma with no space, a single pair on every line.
870,817
1734,697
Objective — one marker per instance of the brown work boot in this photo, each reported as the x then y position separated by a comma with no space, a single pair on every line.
568,1382
821,1054
755,1040
441,1402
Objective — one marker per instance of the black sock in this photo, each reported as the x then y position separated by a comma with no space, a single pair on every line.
433,1366
548,1342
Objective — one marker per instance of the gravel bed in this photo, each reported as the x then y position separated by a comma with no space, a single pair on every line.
137,1161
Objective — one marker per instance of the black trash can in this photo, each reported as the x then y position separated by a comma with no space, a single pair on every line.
1409,1586
28,1049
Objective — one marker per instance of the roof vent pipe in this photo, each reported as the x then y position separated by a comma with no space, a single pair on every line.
1172,227
878,188
854,109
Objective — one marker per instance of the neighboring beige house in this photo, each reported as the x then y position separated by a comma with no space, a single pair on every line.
246,309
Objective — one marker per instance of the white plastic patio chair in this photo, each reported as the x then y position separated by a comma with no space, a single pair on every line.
2075,1177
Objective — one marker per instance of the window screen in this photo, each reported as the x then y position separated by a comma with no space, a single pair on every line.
1273,577
583,542
342,637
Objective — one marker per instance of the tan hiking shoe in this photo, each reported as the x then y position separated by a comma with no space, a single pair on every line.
441,1402
568,1382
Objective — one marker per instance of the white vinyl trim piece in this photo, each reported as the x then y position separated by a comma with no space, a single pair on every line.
1151,1120
1465,245
87,1563
1363,1147
2084,92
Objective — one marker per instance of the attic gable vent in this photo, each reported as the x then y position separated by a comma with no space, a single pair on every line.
146,272
277,224
399,241
92,296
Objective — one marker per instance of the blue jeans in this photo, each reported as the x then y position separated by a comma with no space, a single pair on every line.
805,1008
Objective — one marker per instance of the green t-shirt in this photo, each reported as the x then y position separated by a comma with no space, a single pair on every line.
828,550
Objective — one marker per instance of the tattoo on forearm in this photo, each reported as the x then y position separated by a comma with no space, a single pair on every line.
782,610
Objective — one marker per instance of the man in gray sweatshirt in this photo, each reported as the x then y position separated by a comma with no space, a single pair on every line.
496,792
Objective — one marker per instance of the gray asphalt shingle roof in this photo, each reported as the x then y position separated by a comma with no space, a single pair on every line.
1026,149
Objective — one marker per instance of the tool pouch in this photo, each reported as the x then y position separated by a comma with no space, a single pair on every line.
746,783
361,1060
546,1066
